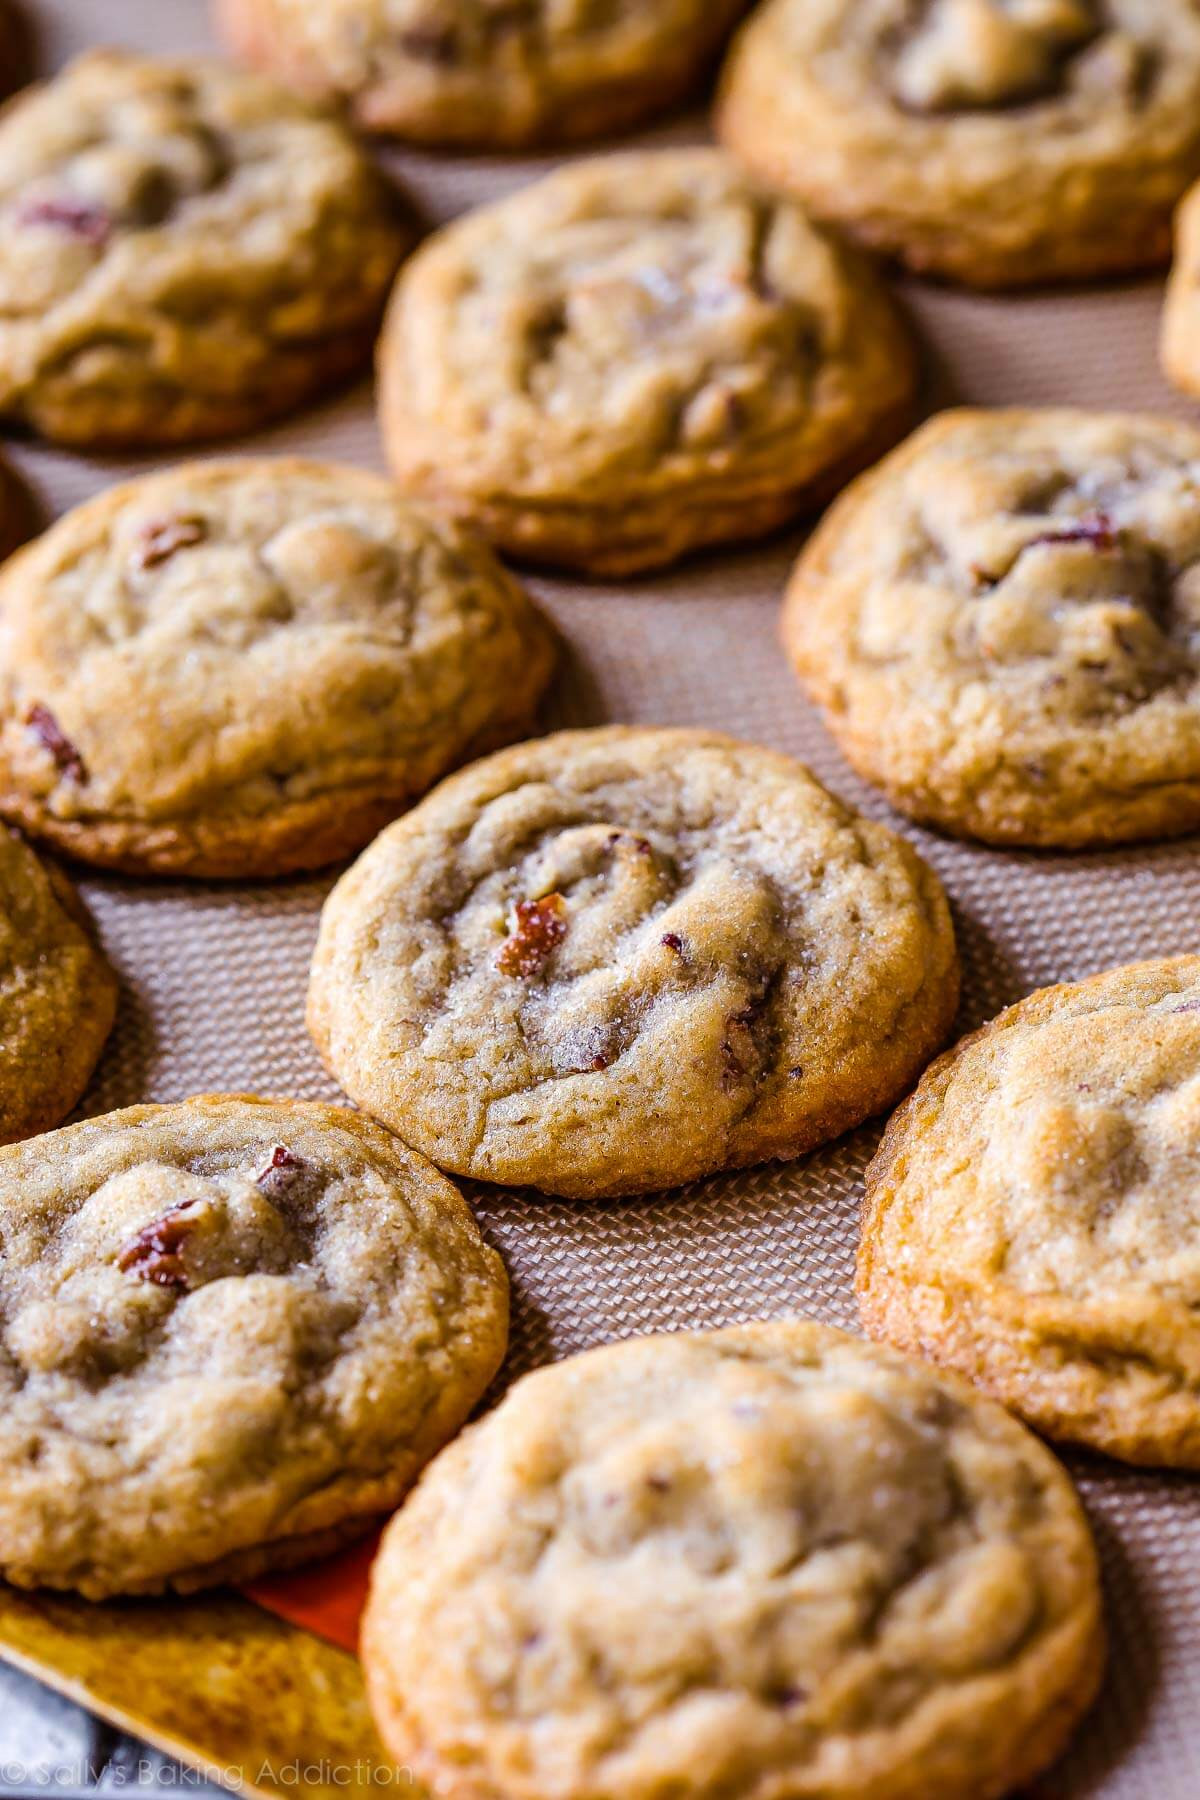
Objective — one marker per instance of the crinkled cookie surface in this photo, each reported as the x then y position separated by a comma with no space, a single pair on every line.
231,1331
1002,624
1033,1215
613,960
58,995
996,141
765,1561
185,252
636,356
478,73
248,666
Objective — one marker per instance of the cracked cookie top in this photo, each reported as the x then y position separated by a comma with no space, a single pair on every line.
760,1561
637,355
247,666
991,140
58,995
614,960
231,1330
185,252
1002,623
478,73
1033,1214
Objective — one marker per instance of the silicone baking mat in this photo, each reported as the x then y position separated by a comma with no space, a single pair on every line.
214,981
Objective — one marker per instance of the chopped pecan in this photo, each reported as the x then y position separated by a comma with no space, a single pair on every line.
1096,529
155,1253
77,218
51,736
541,926
281,1170
159,541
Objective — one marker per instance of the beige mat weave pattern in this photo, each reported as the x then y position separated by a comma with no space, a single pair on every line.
214,978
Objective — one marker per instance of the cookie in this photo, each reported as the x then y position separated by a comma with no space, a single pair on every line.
234,1330
1180,345
1001,624
185,252
243,667
635,357
764,1561
58,996
996,144
1033,1214
484,74
615,960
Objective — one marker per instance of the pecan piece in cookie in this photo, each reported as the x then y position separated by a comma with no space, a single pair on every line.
81,219
283,1172
156,1253
158,541
50,734
541,925
1095,529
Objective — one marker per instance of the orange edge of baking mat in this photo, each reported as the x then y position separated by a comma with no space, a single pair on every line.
326,1597
216,1681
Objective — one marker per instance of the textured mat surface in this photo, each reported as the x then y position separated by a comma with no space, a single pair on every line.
214,978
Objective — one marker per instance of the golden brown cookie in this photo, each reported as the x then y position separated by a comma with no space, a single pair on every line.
1033,1214
1002,625
233,1331
58,996
1000,142
635,357
760,1562
243,667
612,961
485,74
185,252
